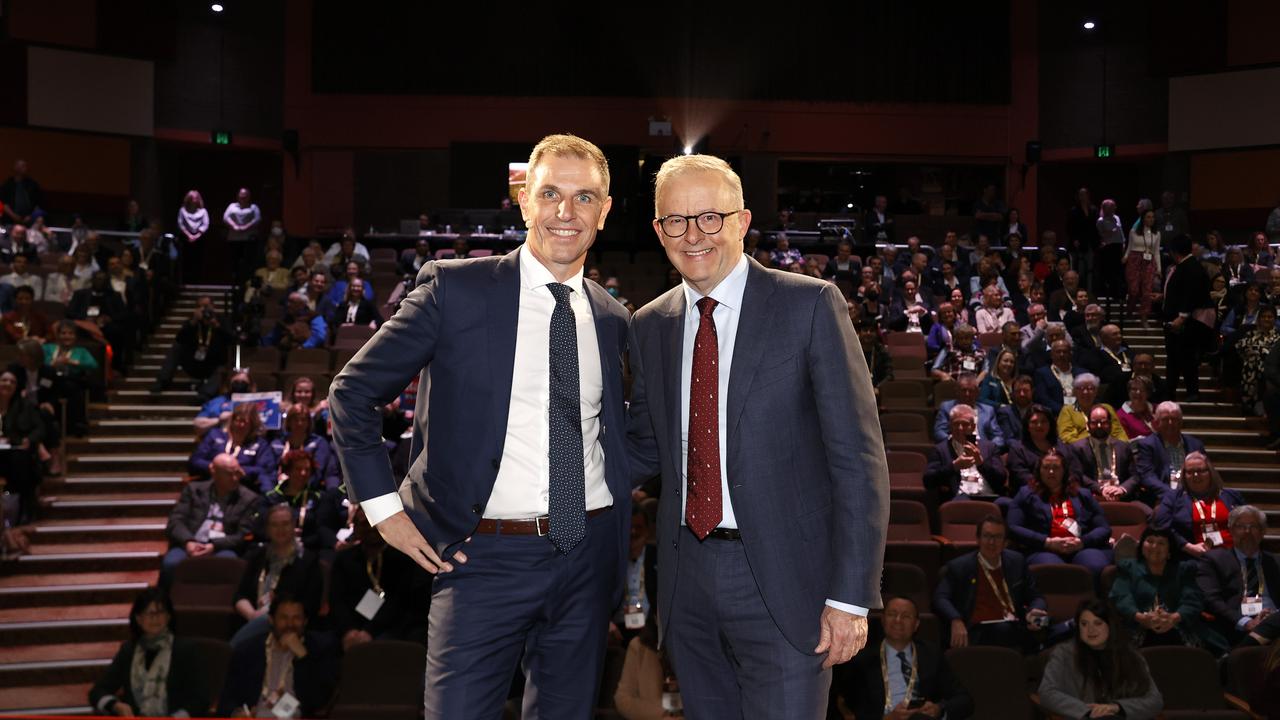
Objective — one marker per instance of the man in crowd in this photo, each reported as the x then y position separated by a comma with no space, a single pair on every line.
987,427
964,467
21,196
1185,309
212,517
242,218
1112,238
1105,462
411,260
200,349
20,274
988,597
300,327
377,593
1239,583
286,673
1158,457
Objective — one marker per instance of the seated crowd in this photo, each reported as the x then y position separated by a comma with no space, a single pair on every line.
1053,420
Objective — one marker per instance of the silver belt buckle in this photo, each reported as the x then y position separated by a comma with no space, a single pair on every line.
538,523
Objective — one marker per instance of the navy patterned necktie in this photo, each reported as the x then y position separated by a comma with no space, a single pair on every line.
567,490
905,668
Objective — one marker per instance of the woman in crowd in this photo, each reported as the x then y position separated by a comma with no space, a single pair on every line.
21,432
1013,224
24,321
1098,673
1196,513
1220,297
242,439
1040,437
997,386
1142,265
939,336
1158,599
72,367
299,435
1253,350
281,565
1136,415
85,265
303,393
59,285
39,386
1057,521
963,315
193,221
1073,419
271,280
317,511
153,674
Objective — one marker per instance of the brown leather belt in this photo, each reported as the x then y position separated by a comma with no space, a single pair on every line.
533,526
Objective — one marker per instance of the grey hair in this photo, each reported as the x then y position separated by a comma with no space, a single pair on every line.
1168,407
1085,379
961,409
1239,510
1058,326
1092,306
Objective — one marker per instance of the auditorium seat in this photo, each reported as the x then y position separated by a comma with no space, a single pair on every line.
215,659
996,680
319,360
944,391
909,581
1064,586
266,357
381,680
1126,518
958,523
381,256
1187,678
924,554
908,520
202,592
990,340
1246,673
352,336
906,473
1107,579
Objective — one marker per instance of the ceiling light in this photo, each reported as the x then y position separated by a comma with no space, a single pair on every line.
1089,25
216,7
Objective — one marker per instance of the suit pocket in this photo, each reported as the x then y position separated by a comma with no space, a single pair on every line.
775,372
816,526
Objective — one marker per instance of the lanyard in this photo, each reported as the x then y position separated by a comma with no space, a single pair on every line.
1213,511
1119,360
1001,589
373,568
1008,397
271,695
884,673
231,447
1097,457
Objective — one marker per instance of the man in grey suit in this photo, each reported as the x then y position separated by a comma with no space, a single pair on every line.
519,451
752,399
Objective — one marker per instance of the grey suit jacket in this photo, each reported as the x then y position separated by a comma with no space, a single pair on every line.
804,456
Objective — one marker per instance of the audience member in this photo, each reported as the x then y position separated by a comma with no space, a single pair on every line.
992,316
242,218
21,198
1012,418
1144,367
963,356
879,222
242,440
988,597
988,427
1196,513
212,517
318,511
1142,266
24,321
783,254
901,676
72,365
988,213
200,349
301,326
1104,461
879,362
154,673
355,308
99,310
997,386
20,275
21,432
412,260
1108,278
299,435
60,284
303,393
377,592
1237,582
1158,599
1158,457
1136,416
1056,521
1099,673
1055,383
647,688
1073,418
1186,294
963,467
1253,350
1038,437
285,673
939,335
218,409
282,566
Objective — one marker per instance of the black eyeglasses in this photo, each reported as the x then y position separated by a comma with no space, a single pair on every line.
709,222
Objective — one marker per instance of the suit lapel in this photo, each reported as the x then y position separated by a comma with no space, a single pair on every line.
754,331
502,309
607,341
672,336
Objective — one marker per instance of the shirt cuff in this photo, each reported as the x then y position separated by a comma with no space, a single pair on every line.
852,609
1242,622
382,507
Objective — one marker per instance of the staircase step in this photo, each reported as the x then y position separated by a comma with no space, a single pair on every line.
60,651
111,505
1237,438
115,444
1241,475
107,425
91,557
168,397
70,699
124,410
128,483
148,463
33,596
103,628
79,532
1253,456
52,672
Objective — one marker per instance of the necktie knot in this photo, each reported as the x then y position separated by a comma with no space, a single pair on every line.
560,292
706,306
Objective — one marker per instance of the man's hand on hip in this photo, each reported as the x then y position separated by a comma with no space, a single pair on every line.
400,532
842,635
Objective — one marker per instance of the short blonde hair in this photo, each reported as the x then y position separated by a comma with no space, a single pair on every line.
684,164
570,146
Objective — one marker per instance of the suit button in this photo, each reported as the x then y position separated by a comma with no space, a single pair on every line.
476,508
675,545
494,462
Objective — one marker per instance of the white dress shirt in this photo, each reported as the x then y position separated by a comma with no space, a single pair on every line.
728,296
521,488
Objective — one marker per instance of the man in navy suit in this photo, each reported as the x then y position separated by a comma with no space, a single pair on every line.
1158,457
752,399
1055,382
518,451
988,423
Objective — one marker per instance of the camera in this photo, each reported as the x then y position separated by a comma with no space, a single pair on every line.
207,314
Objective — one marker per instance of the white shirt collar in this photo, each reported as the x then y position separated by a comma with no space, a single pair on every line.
983,561
533,274
728,293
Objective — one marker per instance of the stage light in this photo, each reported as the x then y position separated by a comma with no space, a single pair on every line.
216,7
688,149
1089,25
849,205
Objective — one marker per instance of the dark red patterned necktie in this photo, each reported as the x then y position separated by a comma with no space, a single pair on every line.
703,508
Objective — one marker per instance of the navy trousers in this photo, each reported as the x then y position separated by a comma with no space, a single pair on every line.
515,595
729,657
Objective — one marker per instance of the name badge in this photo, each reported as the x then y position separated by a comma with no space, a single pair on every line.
971,487
969,365
671,702
345,533
1168,227
93,311
633,620
1213,538
46,383
1234,281
1175,478
1124,367
285,707
216,534
1071,526
1146,256
1251,607
201,353
370,604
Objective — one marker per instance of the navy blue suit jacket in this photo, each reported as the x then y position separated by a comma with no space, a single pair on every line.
804,457
1174,514
1031,517
458,329
1151,463
1046,389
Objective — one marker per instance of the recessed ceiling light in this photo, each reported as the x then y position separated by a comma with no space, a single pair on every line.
216,7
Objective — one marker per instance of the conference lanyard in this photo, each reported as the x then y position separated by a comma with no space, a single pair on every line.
884,673
1001,590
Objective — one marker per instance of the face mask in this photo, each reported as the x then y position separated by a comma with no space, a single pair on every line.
239,386
613,291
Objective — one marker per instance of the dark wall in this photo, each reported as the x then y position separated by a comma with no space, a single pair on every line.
879,50
397,185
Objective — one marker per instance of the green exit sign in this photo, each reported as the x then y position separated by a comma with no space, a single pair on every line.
1102,152
221,137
